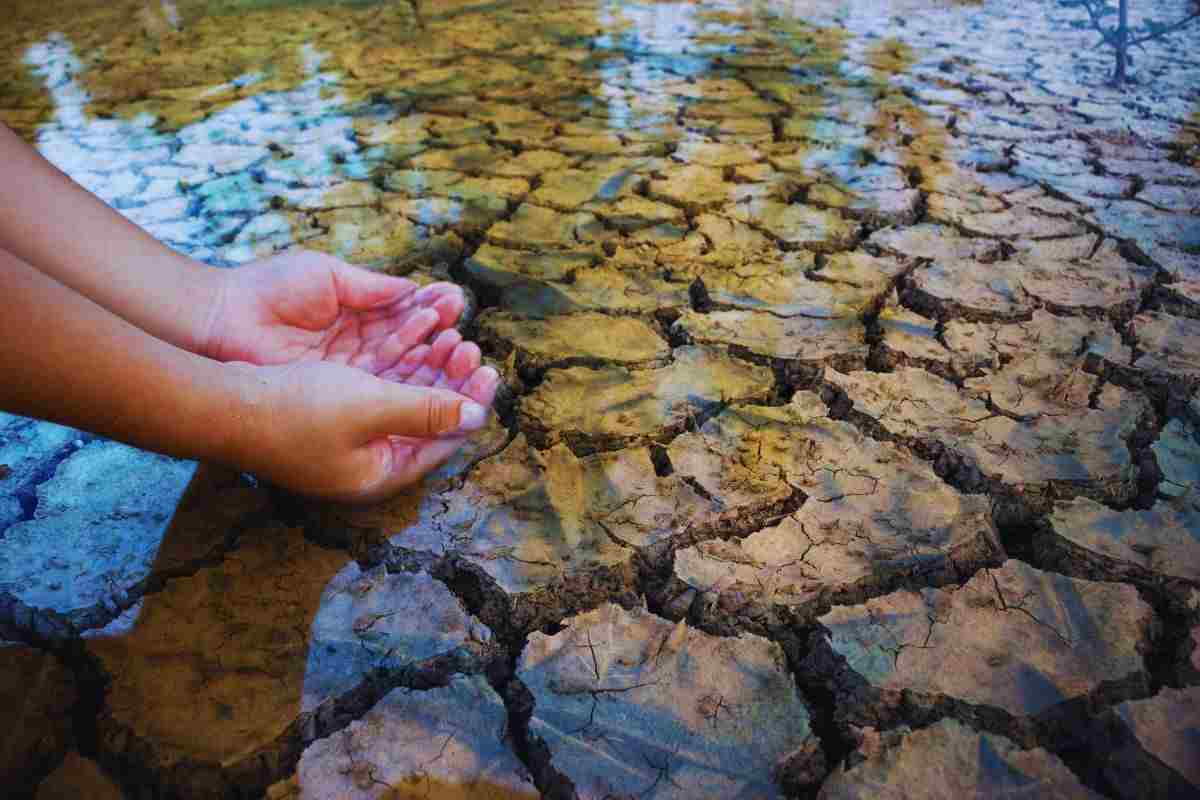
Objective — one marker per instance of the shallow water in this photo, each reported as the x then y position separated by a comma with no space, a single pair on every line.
870,321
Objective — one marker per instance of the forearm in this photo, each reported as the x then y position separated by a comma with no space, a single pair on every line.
52,223
65,359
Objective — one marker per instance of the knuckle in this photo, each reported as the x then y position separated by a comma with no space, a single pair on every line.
434,414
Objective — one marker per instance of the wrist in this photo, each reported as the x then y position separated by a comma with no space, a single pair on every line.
205,288
238,414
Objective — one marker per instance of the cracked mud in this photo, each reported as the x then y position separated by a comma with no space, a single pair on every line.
849,439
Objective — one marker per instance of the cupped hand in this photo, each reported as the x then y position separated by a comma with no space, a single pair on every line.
346,358
335,432
302,306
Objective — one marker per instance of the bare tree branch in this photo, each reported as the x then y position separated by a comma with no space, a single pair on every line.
1166,30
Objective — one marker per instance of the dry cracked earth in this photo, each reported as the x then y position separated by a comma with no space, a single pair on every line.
850,441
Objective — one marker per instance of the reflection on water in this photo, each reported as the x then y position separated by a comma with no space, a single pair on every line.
708,171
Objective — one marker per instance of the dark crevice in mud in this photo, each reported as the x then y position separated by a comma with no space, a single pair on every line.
878,359
1141,453
512,620
736,523
530,748
1170,660
1168,394
51,632
1106,756
661,460
952,467
1166,400
836,742
698,295
1171,598
25,492
482,597
1164,300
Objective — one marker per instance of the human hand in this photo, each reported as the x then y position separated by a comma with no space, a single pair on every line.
304,306
335,432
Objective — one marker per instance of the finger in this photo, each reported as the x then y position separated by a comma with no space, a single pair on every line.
413,460
482,386
413,331
408,364
446,298
401,410
450,308
443,345
380,321
362,289
434,291
462,362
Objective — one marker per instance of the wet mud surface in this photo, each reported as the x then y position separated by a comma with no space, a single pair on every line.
848,444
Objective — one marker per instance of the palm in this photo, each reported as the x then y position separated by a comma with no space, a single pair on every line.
300,307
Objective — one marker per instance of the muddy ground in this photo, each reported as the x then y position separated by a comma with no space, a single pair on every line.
849,444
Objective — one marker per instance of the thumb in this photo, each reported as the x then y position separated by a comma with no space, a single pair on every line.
362,289
421,412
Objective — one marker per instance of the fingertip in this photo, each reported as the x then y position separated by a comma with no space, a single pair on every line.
471,417
482,385
463,361
441,287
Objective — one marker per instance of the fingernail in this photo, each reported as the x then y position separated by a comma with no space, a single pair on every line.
471,417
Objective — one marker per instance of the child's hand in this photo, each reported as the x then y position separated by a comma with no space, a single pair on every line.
302,306
331,431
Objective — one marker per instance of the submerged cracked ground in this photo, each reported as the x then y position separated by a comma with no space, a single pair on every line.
850,443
